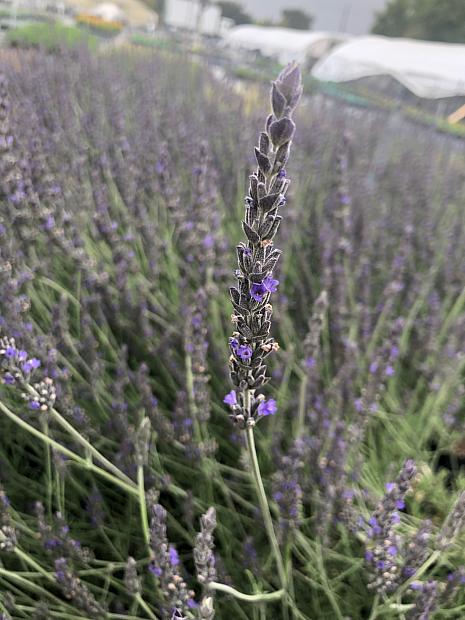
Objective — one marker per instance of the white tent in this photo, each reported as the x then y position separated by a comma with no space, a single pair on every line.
430,70
284,44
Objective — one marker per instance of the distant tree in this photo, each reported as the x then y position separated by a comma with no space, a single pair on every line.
234,10
394,20
431,20
296,18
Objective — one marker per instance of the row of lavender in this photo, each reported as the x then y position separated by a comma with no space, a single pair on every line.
125,484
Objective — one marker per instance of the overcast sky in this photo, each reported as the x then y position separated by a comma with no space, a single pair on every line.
355,16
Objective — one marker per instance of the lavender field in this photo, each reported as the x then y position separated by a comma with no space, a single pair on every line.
172,449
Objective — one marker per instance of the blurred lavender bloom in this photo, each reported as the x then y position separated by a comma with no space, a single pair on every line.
384,545
75,590
166,565
204,557
425,602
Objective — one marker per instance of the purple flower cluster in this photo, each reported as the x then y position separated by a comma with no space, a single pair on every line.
426,601
166,567
76,591
8,533
15,363
384,552
16,368
261,408
287,491
56,538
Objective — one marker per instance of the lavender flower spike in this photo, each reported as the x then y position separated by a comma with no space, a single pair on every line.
204,559
257,257
203,551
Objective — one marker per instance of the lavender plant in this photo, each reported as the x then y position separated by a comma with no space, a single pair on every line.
122,188
251,343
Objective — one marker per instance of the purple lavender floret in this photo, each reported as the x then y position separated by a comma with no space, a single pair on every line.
231,398
173,556
268,285
267,407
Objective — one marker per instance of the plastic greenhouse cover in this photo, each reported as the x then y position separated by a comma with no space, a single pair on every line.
285,44
428,69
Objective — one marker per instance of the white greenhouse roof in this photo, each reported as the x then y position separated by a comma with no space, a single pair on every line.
430,70
285,44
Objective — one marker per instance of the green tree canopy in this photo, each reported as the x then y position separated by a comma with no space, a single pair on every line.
296,18
432,20
234,10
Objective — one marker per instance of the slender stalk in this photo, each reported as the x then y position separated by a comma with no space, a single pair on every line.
143,505
83,441
301,409
261,494
48,468
248,598
28,560
145,607
86,464
62,614
374,609
88,446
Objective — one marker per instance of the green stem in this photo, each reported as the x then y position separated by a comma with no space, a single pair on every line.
28,560
130,489
143,505
248,598
374,609
145,607
301,410
89,447
260,490
61,614
48,469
